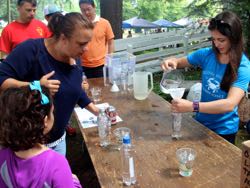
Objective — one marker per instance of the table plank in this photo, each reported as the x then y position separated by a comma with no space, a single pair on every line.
217,163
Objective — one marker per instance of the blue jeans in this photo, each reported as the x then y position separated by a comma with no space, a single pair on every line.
60,147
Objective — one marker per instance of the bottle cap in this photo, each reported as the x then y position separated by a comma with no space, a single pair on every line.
126,139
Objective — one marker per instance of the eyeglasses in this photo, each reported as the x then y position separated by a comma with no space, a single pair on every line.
219,24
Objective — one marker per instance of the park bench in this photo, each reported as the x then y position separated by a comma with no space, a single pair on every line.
151,49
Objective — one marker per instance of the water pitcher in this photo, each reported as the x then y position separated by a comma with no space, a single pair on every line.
141,84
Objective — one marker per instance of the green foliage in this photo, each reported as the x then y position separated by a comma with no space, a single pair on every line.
66,5
175,10
155,9
208,8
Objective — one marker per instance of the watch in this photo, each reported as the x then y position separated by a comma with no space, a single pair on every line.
195,106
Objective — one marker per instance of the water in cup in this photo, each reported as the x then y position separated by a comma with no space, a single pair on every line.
119,133
185,157
96,94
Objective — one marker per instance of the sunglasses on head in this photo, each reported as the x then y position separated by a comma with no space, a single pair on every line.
221,25
217,23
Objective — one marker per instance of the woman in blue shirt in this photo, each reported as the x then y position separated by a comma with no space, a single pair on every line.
225,76
52,62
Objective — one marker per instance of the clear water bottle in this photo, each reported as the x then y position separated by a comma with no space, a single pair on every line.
104,128
85,84
128,168
84,77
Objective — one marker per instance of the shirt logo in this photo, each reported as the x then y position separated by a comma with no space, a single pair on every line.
40,31
213,85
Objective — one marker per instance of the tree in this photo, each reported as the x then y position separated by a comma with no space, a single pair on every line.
211,7
9,6
112,11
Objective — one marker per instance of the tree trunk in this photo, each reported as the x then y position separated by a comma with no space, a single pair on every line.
8,11
112,11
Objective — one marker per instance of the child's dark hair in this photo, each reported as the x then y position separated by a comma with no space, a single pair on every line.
68,23
22,118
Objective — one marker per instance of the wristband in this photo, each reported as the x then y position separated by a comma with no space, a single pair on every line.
195,106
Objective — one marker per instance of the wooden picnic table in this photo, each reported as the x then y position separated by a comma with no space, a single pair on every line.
217,164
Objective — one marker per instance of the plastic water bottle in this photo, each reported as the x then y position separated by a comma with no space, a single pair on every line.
104,128
85,84
128,169
84,77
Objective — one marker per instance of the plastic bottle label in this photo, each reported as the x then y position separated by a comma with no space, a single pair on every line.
131,167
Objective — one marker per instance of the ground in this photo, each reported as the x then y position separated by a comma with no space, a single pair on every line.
80,162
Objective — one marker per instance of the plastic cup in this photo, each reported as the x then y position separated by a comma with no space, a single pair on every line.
96,94
119,133
185,157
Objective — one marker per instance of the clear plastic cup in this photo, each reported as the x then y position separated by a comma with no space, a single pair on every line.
186,157
96,94
119,133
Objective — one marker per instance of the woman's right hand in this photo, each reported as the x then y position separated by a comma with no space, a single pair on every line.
52,85
169,64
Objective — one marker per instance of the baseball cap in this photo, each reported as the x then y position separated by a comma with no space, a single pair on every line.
51,9
91,2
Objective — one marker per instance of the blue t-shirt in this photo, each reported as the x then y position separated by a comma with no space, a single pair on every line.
212,75
30,61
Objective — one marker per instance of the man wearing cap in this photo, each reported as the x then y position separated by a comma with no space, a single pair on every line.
50,10
101,43
23,28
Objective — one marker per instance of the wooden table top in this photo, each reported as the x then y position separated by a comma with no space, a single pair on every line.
217,164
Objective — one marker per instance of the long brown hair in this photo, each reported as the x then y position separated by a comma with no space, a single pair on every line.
229,25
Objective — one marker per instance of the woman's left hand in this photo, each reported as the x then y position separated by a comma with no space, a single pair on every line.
85,85
181,105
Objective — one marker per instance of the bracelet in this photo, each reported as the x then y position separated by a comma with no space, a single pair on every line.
195,106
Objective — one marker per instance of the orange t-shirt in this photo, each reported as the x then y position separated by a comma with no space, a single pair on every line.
15,33
97,47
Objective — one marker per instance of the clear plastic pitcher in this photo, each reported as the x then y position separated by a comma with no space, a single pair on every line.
141,86
118,67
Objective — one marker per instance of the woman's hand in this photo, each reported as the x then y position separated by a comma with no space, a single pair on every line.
85,85
181,105
169,64
52,85
92,108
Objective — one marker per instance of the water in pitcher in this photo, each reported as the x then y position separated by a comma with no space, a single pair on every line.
141,89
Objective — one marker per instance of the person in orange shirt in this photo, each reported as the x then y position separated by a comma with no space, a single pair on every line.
101,43
23,28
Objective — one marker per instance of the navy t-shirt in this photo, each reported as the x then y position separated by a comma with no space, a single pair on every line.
30,61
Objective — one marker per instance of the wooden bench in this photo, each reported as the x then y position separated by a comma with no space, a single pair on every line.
151,49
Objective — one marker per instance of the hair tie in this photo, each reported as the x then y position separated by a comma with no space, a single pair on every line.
35,85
